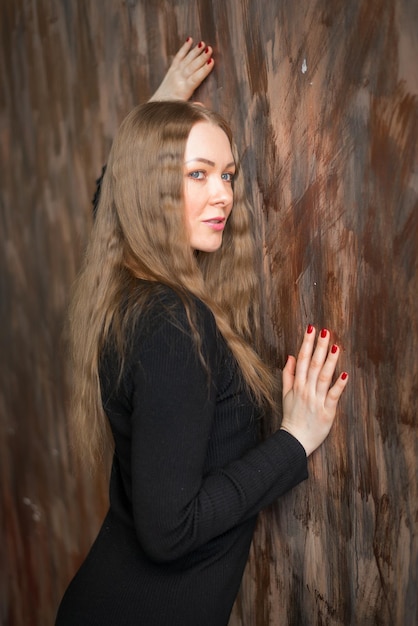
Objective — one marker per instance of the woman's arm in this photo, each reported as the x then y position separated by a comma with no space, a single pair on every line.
188,70
177,507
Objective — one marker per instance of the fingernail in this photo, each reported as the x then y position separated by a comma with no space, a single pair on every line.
309,329
324,333
209,62
200,44
344,375
206,50
334,349
188,39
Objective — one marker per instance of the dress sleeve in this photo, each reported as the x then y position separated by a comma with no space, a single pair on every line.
177,508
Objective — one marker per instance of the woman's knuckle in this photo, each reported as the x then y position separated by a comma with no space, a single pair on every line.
323,378
316,363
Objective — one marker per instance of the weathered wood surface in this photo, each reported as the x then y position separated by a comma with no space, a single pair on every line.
323,97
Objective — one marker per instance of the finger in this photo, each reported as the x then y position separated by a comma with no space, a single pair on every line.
191,54
304,355
318,358
288,375
335,392
187,53
183,51
199,76
327,371
198,62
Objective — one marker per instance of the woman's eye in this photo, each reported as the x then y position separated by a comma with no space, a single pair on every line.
197,175
228,177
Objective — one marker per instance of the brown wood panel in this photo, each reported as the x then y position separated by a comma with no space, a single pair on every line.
323,97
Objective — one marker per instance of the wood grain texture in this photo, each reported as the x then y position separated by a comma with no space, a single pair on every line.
323,98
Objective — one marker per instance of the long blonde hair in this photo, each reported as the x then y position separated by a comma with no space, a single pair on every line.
140,233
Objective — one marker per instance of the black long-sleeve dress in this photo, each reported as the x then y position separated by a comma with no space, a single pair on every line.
188,479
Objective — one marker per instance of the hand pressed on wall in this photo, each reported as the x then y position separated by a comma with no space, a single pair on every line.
309,399
188,69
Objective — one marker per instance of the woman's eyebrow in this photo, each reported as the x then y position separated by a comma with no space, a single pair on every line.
211,163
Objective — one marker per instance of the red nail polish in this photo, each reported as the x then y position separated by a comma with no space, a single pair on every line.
309,329
209,62
344,375
334,349
323,333
200,44
188,39
206,50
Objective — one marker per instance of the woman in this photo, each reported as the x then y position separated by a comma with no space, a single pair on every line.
163,318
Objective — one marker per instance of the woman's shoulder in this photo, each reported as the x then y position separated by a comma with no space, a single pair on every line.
172,322
163,296
167,306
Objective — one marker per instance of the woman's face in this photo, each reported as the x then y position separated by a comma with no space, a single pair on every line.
209,170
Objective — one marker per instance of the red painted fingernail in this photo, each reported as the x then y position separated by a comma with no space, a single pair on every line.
206,50
209,62
200,44
188,39
309,329
334,349
323,333
344,375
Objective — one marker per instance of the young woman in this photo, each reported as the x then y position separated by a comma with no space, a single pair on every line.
163,317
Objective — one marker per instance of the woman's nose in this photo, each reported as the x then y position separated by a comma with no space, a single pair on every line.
221,190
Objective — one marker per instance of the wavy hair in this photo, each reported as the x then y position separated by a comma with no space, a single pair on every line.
140,233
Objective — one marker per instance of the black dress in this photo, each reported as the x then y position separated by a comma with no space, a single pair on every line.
188,479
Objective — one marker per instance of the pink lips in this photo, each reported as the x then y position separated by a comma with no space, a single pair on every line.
217,223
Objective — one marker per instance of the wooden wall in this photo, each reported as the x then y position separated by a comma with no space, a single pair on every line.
323,96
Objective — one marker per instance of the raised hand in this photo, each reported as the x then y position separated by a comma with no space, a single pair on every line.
189,68
309,399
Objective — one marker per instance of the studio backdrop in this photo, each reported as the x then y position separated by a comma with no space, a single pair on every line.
323,99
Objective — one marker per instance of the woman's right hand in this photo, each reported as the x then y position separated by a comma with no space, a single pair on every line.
309,399
188,69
